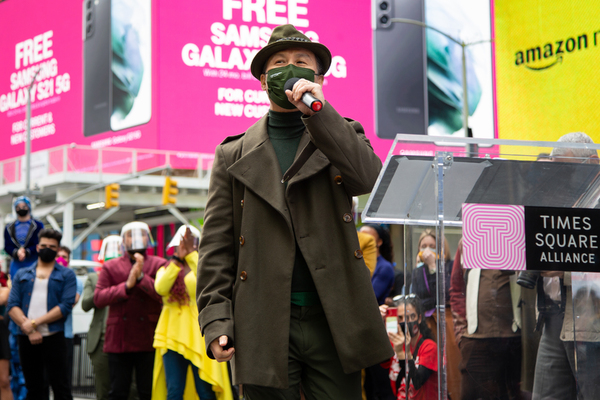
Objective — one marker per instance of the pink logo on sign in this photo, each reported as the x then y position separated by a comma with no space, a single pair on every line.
494,236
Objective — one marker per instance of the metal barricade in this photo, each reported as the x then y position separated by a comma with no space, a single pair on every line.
83,380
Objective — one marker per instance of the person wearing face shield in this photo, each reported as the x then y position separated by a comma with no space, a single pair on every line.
21,236
178,342
41,298
126,284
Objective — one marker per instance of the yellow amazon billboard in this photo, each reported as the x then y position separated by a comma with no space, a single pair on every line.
547,66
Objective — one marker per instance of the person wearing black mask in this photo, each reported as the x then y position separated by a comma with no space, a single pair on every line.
21,236
126,284
420,357
41,298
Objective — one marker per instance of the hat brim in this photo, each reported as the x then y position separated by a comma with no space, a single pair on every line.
260,59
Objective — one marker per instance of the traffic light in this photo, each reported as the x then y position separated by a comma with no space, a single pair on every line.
169,192
112,195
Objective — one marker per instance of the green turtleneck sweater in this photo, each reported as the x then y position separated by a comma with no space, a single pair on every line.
285,131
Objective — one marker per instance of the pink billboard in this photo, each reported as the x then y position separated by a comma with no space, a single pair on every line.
161,75
207,91
51,38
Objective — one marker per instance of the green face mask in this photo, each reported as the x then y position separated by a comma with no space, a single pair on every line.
276,79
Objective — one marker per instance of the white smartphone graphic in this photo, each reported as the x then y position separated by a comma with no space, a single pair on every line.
131,65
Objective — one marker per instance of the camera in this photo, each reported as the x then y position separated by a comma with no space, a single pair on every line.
384,13
528,279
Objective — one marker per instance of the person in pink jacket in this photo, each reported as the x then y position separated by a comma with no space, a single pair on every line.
126,285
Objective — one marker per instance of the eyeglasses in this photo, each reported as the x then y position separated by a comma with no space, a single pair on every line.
404,297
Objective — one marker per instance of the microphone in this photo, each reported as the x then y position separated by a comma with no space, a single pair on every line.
307,98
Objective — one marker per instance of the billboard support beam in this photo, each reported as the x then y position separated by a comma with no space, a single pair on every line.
103,184
173,210
53,222
94,225
67,239
463,46
28,138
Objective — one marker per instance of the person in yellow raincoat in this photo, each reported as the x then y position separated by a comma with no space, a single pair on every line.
181,361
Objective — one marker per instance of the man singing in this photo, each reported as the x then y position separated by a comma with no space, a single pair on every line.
282,283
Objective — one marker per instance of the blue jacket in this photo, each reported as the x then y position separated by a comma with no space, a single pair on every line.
383,279
11,245
61,292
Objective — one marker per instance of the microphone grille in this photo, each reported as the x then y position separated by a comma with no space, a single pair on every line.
289,84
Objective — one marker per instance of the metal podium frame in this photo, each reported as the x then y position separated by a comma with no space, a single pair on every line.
429,188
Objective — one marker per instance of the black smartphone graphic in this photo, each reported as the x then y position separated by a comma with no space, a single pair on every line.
400,62
97,86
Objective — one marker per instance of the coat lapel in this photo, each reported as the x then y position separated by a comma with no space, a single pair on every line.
314,164
258,168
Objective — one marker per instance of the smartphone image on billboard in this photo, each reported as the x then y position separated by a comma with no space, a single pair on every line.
96,67
117,64
400,68
131,63
468,22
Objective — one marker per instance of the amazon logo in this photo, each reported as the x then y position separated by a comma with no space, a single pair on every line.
541,58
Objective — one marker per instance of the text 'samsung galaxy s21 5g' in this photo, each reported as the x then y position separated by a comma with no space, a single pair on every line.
131,63
400,62
96,67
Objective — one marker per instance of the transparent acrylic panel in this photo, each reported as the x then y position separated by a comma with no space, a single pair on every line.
404,188
515,341
583,314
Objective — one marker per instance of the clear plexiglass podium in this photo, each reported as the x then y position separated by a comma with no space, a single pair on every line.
551,332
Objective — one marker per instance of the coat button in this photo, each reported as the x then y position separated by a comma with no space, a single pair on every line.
358,254
242,241
243,275
338,179
242,203
347,217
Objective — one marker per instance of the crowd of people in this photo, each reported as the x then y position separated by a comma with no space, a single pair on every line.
281,286
144,324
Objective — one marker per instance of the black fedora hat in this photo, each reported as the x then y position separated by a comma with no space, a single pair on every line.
285,37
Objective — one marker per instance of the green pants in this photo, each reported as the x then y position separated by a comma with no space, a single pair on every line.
313,363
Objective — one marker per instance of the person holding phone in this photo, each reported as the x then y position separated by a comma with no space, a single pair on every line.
421,357
382,280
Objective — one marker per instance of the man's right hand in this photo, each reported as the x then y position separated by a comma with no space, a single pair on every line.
21,253
217,348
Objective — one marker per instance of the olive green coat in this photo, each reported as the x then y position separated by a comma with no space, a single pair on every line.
247,247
